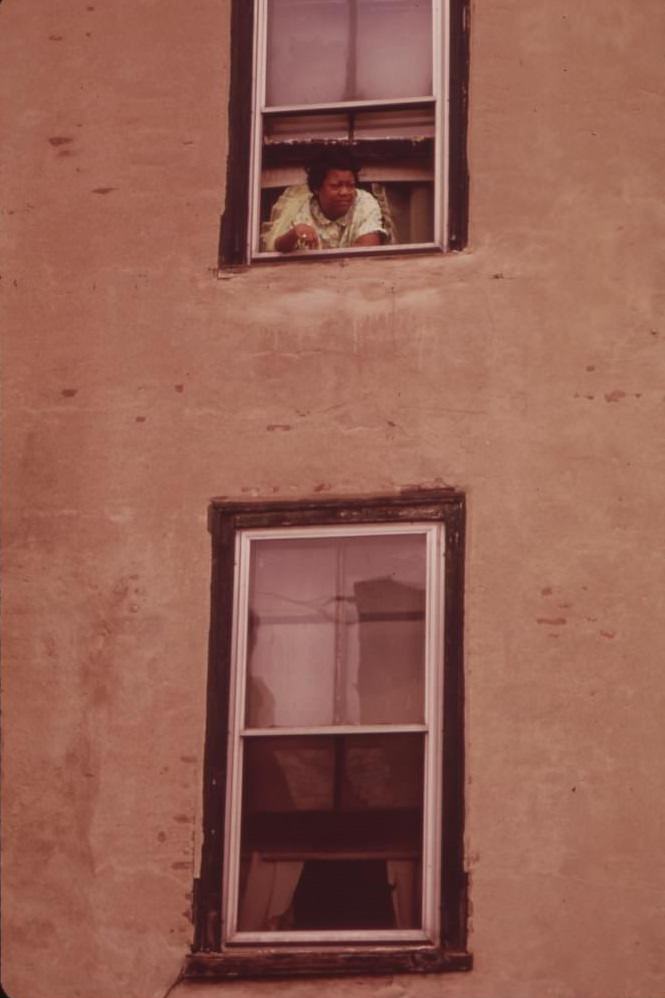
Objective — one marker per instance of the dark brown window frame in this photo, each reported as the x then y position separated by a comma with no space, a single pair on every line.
208,958
235,219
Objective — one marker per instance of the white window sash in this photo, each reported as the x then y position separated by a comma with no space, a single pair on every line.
350,251
335,729
328,936
432,732
350,105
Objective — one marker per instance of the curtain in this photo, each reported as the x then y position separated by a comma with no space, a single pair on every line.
268,894
402,880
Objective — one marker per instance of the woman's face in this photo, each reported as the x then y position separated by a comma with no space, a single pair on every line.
337,193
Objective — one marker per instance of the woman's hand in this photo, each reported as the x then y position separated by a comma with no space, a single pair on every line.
299,237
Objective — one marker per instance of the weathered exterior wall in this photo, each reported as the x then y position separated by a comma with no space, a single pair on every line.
528,370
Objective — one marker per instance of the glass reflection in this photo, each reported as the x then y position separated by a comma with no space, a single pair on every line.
336,631
331,832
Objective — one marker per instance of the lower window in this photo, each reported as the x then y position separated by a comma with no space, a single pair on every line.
333,812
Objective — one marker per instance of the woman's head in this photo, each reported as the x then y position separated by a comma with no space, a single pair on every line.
333,177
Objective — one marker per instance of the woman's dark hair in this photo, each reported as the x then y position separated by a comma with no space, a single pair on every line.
330,159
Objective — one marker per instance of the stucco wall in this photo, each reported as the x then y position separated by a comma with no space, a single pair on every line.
528,371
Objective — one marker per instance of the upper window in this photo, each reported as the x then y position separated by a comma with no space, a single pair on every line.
333,815
357,135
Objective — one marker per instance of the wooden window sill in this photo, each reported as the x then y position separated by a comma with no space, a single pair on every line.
292,961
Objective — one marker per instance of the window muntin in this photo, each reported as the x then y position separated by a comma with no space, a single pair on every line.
370,75
338,733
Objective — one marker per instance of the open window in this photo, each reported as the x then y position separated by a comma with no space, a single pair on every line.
333,810
381,80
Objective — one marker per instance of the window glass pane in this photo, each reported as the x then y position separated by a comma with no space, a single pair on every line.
307,54
327,51
336,631
288,774
394,49
331,833
381,771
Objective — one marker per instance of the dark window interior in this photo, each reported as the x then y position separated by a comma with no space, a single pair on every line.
344,894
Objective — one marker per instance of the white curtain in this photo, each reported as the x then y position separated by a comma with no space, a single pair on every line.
268,893
402,880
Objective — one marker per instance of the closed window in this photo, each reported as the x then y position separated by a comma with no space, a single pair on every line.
357,135
335,652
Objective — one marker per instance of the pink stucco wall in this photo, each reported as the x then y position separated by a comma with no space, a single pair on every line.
529,371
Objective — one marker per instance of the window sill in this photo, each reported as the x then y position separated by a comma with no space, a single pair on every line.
349,251
301,962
